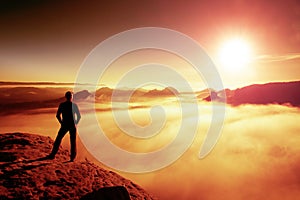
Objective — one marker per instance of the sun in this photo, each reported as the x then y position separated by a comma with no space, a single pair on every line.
235,54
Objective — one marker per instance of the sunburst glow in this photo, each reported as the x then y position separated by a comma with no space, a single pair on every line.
235,54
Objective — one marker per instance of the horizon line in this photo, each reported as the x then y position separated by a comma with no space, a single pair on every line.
44,83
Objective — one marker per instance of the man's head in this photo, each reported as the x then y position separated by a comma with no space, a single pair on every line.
69,95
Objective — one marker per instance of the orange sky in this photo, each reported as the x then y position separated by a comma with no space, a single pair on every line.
48,41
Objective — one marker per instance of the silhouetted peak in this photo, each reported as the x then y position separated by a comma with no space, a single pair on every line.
82,95
168,91
268,93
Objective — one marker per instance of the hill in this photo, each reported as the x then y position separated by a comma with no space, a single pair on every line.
270,93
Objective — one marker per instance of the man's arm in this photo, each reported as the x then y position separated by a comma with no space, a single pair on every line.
58,114
78,116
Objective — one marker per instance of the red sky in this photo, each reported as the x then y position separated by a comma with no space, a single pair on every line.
48,40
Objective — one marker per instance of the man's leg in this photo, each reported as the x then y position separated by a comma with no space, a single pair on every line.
73,142
61,133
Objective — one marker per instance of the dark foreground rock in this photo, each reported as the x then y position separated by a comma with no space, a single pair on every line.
24,174
108,193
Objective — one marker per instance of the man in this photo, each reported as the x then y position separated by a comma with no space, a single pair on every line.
68,116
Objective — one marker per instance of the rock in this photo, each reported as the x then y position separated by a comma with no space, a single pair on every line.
108,193
26,174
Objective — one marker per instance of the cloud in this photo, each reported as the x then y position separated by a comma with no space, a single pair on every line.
277,58
256,157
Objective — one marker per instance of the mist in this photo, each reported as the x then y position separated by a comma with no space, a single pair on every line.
256,157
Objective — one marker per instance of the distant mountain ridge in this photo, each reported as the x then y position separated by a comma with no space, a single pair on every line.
269,93
17,99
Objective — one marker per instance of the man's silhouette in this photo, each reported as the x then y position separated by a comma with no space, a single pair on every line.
66,116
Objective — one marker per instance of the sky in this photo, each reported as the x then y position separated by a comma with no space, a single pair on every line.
49,40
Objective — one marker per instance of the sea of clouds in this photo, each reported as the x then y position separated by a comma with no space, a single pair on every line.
256,157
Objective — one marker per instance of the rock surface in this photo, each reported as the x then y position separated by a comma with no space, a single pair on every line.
24,174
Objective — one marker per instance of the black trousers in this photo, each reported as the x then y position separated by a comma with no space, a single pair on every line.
61,133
